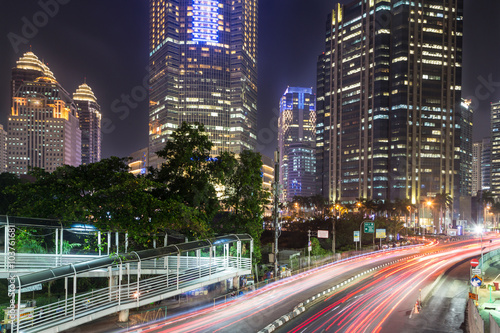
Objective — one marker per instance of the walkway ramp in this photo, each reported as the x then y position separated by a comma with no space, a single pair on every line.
179,268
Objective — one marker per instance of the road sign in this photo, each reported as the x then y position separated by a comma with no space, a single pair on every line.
476,271
473,296
474,262
369,227
476,281
356,236
380,233
322,233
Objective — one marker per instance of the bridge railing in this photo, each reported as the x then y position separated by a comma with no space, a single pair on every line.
130,291
34,262
135,279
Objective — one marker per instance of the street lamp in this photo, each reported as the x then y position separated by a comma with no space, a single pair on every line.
479,230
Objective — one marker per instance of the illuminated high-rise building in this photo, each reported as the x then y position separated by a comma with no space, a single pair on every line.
486,165
481,166
297,142
495,149
465,174
89,114
3,150
389,96
203,68
43,127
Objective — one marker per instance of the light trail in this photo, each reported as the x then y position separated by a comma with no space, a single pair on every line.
385,292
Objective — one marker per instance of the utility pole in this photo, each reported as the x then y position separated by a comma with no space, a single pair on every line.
276,210
309,248
333,237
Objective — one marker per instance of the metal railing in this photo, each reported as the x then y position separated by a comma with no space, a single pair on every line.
132,292
35,262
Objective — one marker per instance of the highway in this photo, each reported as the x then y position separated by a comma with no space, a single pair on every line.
379,301
385,301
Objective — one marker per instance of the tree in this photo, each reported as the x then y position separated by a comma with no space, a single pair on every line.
189,173
244,196
443,201
107,195
7,198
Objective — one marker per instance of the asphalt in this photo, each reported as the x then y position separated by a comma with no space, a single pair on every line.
449,291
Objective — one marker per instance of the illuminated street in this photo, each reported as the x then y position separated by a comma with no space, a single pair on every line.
387,295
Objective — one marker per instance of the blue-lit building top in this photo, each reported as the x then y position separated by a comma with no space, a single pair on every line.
205,20
296,139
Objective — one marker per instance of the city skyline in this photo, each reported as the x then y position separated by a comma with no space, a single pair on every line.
115,66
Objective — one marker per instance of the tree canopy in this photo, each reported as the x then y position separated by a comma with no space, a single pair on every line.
184,195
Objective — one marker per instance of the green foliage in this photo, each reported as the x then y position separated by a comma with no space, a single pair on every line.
244,196
67,247
181,196
188,175
6,197
317,250
27,242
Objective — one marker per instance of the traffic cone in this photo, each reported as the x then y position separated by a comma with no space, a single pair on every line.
416,310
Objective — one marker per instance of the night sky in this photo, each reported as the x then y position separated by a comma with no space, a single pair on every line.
106,41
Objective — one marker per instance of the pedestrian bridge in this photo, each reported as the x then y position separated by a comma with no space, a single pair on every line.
135,279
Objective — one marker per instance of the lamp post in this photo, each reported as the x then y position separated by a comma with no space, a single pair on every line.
408,219
276,190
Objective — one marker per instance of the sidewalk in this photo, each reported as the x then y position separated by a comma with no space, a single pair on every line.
487,305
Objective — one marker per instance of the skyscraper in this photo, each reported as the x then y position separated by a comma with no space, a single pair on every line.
89,114
43,128
486,165
297,141
203,68
466,148
3,150
495,149
481,166
389,123
477,148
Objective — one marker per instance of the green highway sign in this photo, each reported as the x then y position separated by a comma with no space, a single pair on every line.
369,227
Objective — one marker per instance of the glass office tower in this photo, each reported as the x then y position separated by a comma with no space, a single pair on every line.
389,95
203,68
297,141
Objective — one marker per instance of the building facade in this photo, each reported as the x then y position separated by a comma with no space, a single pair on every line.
3,149
89,114
481,167
203,68
477,148
297,142
43,127
495,149
389,111
466,148
486,165
267,182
